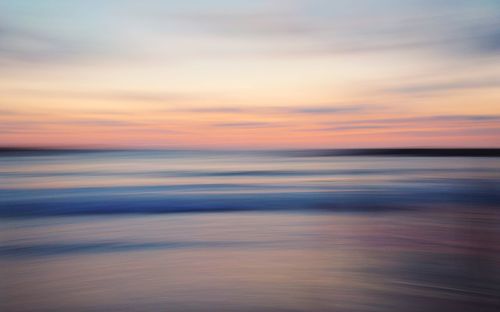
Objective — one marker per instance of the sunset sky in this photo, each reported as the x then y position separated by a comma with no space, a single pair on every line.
250,74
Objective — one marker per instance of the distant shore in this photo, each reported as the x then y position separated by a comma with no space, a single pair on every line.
413,152
408,152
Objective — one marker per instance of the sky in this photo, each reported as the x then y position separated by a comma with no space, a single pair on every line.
250,74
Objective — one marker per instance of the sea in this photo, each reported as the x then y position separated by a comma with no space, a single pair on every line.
219,230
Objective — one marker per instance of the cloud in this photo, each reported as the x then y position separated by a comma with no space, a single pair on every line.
354,127
252,24
32,46
436,87
255,124
446,132
332,109
279,110
9,112
464,118
491,43
55,125
339,27
483,38
432,118
127,96
213,110
102,122
435,121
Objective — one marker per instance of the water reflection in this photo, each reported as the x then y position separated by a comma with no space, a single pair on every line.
410,261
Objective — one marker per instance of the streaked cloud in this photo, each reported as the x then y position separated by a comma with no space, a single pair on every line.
210,110
446,86
30,46
112,95
249,124
353,127
287,110
426,119
252,24
342,27
415,124
334,109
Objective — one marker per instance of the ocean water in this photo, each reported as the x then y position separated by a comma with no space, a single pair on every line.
118,182
248,231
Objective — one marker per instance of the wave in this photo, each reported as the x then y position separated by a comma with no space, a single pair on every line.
133,182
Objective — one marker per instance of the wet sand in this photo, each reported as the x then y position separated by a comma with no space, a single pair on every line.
446,260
